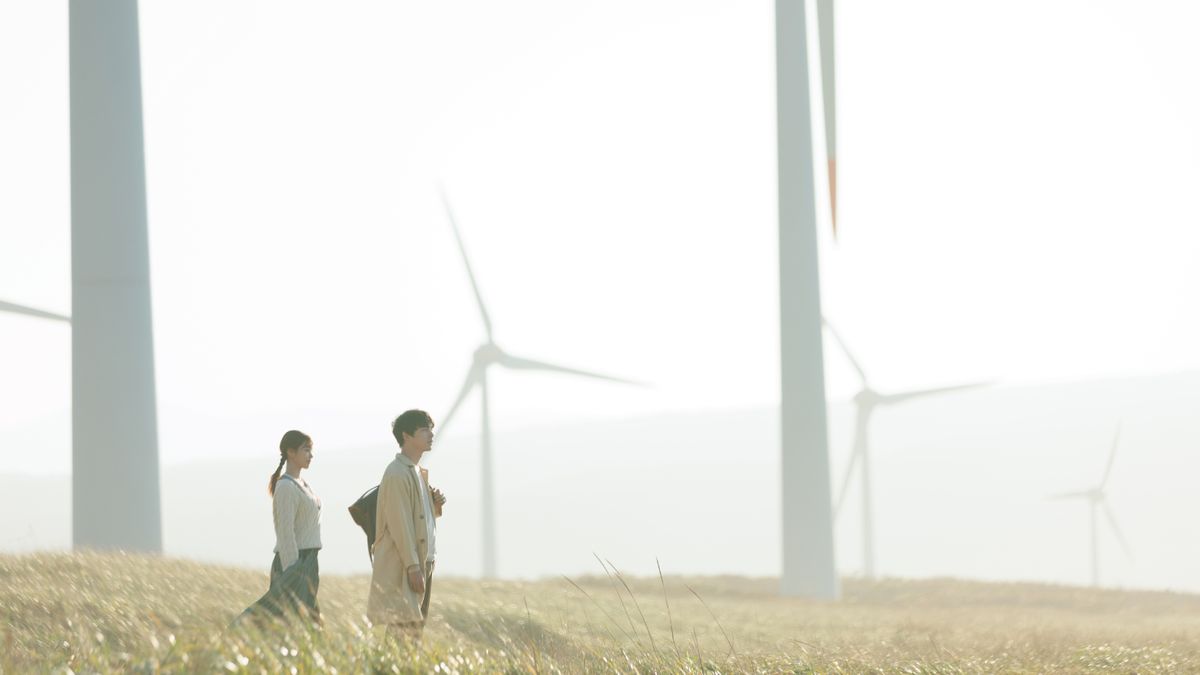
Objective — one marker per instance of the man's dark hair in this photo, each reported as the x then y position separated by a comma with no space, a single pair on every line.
408,422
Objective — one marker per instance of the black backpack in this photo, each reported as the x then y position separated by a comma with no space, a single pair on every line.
363,513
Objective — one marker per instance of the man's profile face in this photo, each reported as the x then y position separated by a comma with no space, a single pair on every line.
420,440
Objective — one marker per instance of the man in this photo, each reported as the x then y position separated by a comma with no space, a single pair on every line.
405,532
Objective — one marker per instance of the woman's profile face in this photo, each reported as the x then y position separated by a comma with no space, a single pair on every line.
302,456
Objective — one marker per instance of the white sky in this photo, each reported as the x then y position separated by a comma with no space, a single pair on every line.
1017,198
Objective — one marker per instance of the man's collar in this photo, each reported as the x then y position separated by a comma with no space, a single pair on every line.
404,459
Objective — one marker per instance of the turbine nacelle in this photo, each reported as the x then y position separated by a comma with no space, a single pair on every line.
867,398
1093,496
487,354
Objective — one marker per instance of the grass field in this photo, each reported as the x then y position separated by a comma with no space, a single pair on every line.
102,613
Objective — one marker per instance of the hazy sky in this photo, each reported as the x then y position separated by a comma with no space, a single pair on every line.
1017,198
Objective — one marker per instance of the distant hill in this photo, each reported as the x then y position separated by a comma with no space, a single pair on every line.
960,482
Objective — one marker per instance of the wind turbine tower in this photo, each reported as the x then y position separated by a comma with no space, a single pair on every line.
115,428
808,555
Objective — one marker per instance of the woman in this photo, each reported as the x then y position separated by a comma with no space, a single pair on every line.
297,511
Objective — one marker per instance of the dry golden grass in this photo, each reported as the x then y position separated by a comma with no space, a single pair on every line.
103,613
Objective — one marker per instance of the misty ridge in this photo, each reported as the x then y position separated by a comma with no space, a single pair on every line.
960,489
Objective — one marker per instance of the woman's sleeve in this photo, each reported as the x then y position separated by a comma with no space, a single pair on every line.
284,506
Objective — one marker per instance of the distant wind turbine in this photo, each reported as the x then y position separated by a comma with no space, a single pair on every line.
486,355
865,402
1098,500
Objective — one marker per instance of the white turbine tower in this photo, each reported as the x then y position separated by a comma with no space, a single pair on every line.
115,482
865,403
1097,500
114,424
809,568
486,355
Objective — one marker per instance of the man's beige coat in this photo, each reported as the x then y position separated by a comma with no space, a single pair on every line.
399,544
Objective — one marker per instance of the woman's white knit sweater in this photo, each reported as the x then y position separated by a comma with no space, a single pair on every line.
297,520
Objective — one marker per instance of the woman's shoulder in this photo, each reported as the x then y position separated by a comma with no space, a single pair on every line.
286,485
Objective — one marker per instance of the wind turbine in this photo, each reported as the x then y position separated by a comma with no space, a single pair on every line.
865,403
114,465
1097,500
487,355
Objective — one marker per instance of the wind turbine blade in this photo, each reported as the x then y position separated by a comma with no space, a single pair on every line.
517,363
1112,521
487,321
921,393
829,96
1070,495
1111,456
845,350
467,386
841,498
29,311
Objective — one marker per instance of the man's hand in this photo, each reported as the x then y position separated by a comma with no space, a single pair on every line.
416,580
438,497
